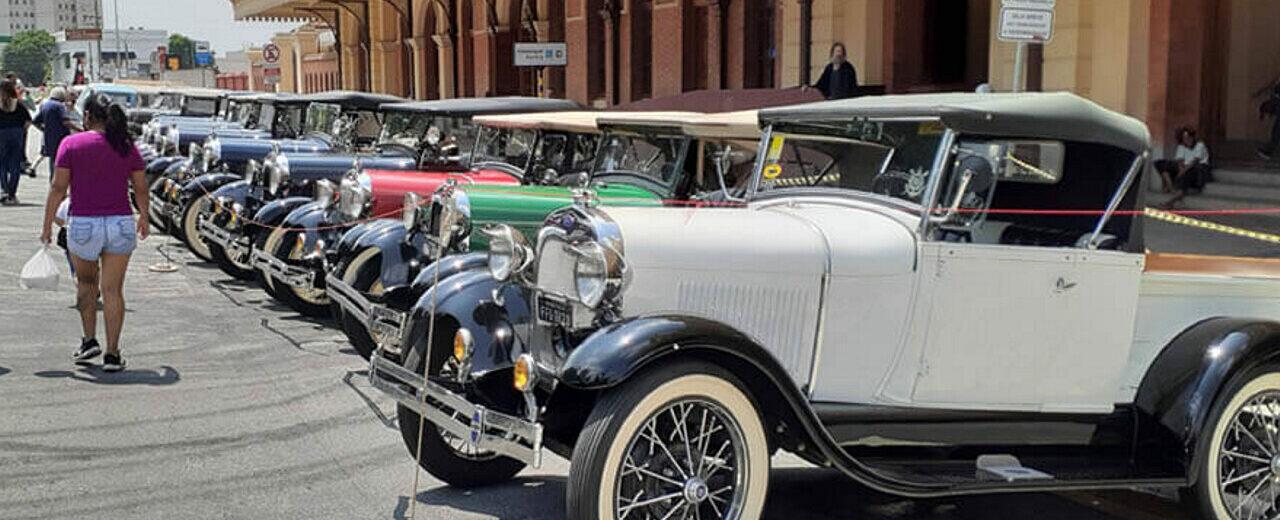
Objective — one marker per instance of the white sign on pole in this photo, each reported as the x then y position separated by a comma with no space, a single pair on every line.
1045,5
541,54
1025,25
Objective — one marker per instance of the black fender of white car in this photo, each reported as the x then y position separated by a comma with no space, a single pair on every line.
1178,393
467,300
160,165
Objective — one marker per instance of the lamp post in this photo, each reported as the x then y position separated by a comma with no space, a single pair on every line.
116,4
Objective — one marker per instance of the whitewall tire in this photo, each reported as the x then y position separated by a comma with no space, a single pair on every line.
679,441
1240,478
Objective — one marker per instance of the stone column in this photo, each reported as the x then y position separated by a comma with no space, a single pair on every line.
445,68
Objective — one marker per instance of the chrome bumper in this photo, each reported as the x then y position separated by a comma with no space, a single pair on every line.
213,234
384,324
482,429
280,271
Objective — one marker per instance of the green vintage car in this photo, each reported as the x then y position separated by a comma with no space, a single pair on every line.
642,159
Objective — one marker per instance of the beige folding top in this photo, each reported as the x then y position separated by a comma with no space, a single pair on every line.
575,121
727,125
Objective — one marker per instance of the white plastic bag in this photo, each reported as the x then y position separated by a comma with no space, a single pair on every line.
41,271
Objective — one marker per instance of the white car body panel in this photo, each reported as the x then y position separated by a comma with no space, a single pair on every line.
1169,303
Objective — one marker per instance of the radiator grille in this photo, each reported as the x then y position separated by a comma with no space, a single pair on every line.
555,267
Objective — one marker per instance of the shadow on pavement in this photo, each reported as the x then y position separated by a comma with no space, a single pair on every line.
164,376
524,497
4,371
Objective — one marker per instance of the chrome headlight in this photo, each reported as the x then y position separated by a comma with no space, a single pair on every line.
409,215
213,149
251,170
195,155
449,223
509,251
175,139
278,175
354,195
580,256
324,193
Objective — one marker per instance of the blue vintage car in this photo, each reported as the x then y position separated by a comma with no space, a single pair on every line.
165,139
335,127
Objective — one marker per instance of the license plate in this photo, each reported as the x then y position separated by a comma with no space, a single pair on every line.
554,311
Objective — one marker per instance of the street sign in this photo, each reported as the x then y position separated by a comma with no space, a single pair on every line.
93,33
270,53
1025,25
203,54
1044,5
541,54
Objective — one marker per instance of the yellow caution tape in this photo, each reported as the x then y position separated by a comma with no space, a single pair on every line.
1211,226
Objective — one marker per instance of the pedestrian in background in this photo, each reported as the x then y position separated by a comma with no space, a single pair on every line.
839,79
98,166
1271,107
1189,169
14,120
55,121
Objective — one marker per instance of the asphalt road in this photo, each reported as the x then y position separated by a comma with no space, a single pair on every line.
235,407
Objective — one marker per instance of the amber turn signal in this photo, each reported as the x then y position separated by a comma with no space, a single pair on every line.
523,376
462,345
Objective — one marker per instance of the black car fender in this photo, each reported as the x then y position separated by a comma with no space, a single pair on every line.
314,222
1179,390
172,169
204,184
273,213
353,240
159,165
467,300
236,192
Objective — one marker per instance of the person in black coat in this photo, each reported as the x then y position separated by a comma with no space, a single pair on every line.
839,79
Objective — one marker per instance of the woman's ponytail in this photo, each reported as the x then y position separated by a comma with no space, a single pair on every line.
114,121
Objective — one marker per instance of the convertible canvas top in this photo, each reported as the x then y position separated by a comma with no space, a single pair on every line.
1058,115
578,121
743,124
361,100
478,106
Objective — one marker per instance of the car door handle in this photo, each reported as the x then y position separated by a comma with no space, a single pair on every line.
1063,285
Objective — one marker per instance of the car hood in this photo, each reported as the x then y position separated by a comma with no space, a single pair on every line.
390,186
328,165
525,207
239,149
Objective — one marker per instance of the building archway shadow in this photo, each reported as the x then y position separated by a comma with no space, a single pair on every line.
162,376
517,498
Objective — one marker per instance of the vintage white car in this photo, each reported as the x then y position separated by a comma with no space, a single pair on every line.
934,294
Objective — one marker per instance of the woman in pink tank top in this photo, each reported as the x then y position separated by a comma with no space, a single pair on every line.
98,166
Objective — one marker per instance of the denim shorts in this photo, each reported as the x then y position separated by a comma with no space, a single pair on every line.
90,237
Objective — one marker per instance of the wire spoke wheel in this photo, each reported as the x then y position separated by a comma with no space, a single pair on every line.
683,463
1248,459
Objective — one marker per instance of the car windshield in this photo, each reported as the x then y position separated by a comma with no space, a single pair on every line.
166,101
893,159
246,112
320,117
511,146
122,98
288,120
201,106
652,157
404,128
566,153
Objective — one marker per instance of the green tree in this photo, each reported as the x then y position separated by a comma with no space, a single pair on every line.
30,54
184,49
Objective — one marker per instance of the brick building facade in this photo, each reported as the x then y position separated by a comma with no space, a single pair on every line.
1169,62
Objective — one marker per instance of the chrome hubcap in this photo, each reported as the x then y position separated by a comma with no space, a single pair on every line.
1249,459
686,462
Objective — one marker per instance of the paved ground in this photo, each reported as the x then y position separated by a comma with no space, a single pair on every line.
233,407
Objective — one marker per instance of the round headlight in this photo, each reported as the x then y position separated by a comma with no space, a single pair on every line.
213,149
278,175
591,273
324,193
175,138
251,170
409,215
433,136
354,195
509,251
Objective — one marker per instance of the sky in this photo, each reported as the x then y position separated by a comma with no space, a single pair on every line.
210,20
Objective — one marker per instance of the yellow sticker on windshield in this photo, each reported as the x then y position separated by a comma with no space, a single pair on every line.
930,128
772,171
775,148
